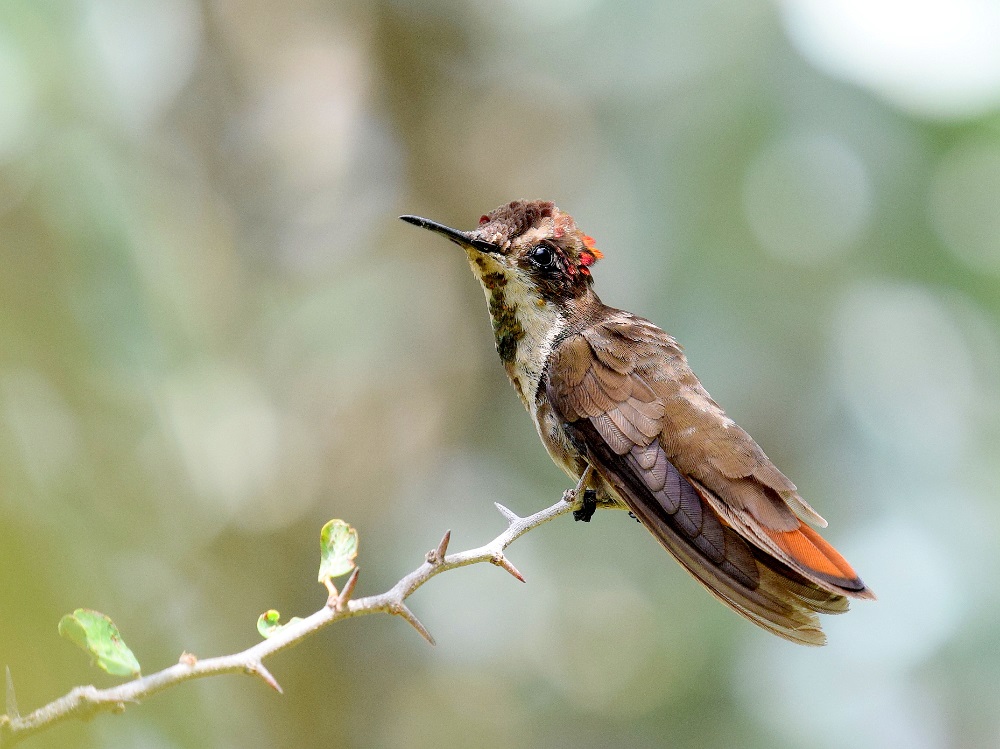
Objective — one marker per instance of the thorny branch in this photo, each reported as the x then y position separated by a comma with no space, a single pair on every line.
86,701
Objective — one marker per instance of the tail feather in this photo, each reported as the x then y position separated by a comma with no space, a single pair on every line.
800,550
808,549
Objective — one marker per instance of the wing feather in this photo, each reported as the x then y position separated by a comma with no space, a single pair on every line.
697,481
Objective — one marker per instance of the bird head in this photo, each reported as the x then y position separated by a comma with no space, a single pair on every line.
527,246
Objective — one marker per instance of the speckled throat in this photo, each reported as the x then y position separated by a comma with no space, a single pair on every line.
507,329
524,324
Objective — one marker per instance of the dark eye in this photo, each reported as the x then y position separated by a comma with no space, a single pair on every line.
542,256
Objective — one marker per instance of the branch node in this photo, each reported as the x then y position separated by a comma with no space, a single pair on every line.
436,556
257,668
188,659
347,592
501,561
511,516
401,609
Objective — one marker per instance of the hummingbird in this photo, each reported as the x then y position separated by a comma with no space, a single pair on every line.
618,408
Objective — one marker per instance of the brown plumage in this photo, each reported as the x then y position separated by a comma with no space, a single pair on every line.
694,478
610,390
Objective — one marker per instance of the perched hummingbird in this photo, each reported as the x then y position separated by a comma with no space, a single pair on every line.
618,409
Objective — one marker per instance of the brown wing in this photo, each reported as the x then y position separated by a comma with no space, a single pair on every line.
697,481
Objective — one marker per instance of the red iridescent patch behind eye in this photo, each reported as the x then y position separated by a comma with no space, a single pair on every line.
483,220
590,255
588,242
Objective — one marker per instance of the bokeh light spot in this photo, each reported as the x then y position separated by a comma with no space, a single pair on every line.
964,208
807,198
226,432
905,371
903,561
146,50
17,101
42,425
936,58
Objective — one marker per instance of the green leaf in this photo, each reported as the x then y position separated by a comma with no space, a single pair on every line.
267,623
338,544
98,635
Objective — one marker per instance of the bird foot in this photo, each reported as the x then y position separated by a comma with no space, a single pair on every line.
588,508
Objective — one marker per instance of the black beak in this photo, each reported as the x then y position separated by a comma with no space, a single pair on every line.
462,238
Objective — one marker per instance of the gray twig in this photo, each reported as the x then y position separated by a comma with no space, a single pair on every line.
86,701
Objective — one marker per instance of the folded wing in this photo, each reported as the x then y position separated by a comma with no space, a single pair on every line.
697,481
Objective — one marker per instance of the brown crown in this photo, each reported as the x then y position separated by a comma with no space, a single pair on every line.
504,224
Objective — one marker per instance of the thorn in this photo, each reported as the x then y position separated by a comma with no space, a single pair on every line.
572,495
257,669
436,556
402,610
511,516
188,659
501,561
345,594
11,697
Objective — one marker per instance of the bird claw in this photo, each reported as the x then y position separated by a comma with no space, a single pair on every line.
588,506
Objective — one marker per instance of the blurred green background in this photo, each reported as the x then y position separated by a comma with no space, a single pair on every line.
215,336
